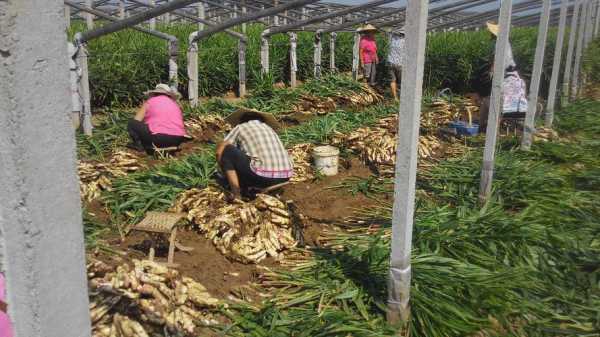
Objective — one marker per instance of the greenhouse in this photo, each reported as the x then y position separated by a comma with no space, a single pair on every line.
179,168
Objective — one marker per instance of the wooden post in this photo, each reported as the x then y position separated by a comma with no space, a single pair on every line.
89,18
242,67
293,60
192,70
264,54
534,89
153,20
332,38
579,51
502,44
355,56
549,116
84,90
173,69
122,9
318,52
566,92
399,277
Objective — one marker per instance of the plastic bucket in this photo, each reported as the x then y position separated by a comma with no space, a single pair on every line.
326,159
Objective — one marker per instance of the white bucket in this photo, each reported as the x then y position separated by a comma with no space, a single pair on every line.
326,159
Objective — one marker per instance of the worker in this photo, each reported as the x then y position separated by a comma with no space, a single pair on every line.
5,324
367,52
252,156
395,59
514,100
158,123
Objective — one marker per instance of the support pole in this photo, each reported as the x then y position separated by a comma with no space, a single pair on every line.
534,89
355,56
192,70
589,25
42,252
399,277
502,45
67,16
275,17
167,16
293,60
201,15
122,9
242,67
244,11
317,54
75,78
579,51
89,18
597,21
153,20
332,38
173,69
558,48
566,92
84,90
264,54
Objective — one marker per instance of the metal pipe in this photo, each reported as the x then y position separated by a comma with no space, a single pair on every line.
534,89
252,17
558,48
502,45
133,20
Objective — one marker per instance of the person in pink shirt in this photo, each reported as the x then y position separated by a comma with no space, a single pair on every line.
5,325
158,122
368,53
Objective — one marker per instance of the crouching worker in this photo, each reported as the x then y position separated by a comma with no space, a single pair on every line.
252,155
158,123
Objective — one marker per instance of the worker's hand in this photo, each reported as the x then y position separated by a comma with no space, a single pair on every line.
234,196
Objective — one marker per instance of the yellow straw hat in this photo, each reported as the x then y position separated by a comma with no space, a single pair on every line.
235,117
367,28
493,28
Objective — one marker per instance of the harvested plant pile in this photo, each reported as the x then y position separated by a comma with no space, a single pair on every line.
245,231
544,135
199,125
442,111
300,154
97,177
377,144
145,300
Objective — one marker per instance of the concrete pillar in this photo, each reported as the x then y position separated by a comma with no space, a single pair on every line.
242,67
489,153
566,92
122,9
41,234
589,25
192,70
293,58
75,79
304,13
153,20
167,16
317,54
579,50
84,90
244,11
89,18
355,57
264,55
67,16
534,88
332,38
558,48
275,18
597,20
173,50
399,277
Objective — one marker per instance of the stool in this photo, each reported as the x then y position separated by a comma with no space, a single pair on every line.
163,223
165,152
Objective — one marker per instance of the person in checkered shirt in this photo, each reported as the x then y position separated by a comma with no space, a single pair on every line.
252,155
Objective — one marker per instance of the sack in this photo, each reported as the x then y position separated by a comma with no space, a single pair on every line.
514,93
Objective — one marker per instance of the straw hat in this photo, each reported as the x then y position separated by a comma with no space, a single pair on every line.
366,28
269,119
163,89
493,28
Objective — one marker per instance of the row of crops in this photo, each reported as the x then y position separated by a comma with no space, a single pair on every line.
124,64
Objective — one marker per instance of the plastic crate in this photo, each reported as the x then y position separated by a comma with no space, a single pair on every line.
462,128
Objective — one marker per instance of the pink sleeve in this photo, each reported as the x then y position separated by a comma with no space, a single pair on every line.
5,324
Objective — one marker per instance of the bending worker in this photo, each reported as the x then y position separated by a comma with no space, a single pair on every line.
395,58
252,155
159,121
367,53
514,99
